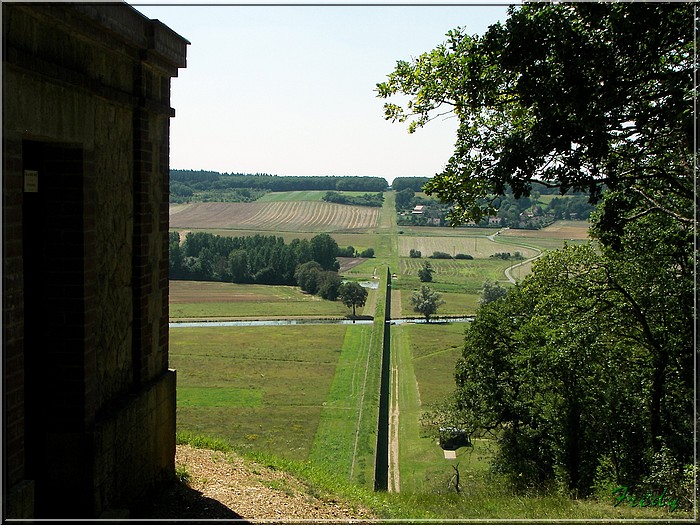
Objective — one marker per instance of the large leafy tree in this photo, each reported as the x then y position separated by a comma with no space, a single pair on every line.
426,302
578,95
586,361
352,294
590,360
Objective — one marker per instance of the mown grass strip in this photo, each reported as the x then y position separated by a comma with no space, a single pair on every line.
335,443
219,397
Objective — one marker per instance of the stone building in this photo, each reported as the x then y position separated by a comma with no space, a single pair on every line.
88,398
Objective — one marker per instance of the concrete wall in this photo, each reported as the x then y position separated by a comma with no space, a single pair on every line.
89,401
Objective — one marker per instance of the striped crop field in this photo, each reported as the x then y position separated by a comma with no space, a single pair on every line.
309,216
477,247
478,270
560,230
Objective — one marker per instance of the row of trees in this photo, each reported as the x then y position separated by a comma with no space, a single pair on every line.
182,182
259,259
374,200
255,259
584,371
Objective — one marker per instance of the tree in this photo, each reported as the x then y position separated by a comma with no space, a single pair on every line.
584,96
307,276
404,199
329,285
575,95
426,301
352,295
492,291
425,274
554,363
324,248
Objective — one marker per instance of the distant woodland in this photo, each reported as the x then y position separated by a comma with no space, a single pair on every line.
258,259
211,186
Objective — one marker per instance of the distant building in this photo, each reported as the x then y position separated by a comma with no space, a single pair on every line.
89,401
418,210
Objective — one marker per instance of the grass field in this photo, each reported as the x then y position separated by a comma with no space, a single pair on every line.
198,299
310,393
424,357
243,383
477,247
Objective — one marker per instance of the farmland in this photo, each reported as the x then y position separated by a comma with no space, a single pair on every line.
208,300
284,215
243,383
310,392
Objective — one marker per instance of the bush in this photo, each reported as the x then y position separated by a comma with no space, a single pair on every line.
463,256
368,253
414,254
440,255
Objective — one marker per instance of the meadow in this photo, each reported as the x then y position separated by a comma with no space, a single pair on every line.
211,300
305,397
256,387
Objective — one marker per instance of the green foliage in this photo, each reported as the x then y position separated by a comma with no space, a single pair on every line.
306,275
256,259
413,184
374,200
426,302
367,253
553,365
574,95
211,186
414,254
329,285
352,295
440,255
404,199
425,274
492,291
507,255
323,249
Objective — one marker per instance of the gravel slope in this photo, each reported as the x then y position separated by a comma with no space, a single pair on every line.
224,486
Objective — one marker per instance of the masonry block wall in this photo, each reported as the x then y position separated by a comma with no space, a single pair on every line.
88,399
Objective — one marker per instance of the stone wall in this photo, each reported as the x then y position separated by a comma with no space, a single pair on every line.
88,396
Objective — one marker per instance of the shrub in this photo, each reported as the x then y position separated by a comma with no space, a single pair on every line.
440,255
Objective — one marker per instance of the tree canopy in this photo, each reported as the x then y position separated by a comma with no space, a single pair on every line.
352,294
576,95
584,371
426,301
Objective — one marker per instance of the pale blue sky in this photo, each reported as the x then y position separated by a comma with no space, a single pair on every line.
289,90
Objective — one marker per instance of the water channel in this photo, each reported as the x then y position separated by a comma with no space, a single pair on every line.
289,322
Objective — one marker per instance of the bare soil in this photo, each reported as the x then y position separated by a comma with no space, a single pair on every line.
225,486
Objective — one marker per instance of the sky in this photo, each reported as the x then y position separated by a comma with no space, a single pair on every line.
290,89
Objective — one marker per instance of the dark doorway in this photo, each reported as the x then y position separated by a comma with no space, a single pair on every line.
54,311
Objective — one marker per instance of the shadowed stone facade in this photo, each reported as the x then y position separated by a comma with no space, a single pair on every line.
88,399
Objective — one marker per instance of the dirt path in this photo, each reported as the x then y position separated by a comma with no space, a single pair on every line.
394,476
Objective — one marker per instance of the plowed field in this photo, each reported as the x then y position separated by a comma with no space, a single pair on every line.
274,216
